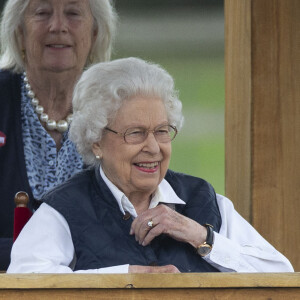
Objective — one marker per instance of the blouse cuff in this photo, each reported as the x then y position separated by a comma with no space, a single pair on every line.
225,254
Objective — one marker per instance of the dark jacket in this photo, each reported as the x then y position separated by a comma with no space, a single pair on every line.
100,234
13,175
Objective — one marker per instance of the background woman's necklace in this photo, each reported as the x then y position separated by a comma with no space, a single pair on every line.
61,125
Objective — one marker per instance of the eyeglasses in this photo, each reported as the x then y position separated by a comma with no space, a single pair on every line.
137,135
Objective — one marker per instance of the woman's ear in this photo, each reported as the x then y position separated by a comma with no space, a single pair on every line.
95,35
97,150
93,38
21,38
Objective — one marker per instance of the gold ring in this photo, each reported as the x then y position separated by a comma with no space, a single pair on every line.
150,223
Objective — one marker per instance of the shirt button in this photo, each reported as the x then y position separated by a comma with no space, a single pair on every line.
51,163
127,216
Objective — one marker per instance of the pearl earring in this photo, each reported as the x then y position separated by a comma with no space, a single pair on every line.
97,156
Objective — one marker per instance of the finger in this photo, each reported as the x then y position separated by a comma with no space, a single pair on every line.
137,222
142,218
145,228
150,269
152,234
140,226
170,223
169,269
164,269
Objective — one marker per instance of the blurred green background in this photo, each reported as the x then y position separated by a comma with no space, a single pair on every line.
186,37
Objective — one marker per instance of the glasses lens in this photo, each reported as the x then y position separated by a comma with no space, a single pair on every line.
165,133
135,135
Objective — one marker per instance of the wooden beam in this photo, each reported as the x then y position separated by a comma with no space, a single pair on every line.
150,286
238,104
154,280
263,117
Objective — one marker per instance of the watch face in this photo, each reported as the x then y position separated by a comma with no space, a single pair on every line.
204,250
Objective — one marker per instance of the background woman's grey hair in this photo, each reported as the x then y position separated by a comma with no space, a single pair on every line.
104,87
12,17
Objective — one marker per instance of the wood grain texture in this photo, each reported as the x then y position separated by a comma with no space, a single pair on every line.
183,280
150,286
238,104
276,124
267,111
161,294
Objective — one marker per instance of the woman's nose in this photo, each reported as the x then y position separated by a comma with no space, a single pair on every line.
151,144
58,22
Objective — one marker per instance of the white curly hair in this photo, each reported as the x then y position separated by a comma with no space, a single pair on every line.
102,90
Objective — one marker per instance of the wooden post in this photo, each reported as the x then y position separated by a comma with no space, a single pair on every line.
262,59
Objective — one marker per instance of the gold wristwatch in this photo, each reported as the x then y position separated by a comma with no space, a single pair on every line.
206,247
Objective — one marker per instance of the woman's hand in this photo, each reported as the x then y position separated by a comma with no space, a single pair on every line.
167,221
156,269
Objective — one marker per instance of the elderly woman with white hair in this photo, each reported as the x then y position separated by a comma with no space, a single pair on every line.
128,212
45,46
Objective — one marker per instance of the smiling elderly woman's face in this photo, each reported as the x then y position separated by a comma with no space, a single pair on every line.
58,34
135,167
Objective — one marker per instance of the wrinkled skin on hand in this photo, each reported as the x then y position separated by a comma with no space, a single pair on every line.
167,221
150,269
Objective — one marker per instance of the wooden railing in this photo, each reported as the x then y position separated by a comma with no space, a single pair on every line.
151,286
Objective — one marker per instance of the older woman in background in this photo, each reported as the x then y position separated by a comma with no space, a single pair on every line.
128,212
46,44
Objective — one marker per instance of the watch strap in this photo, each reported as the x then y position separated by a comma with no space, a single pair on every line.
210,234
